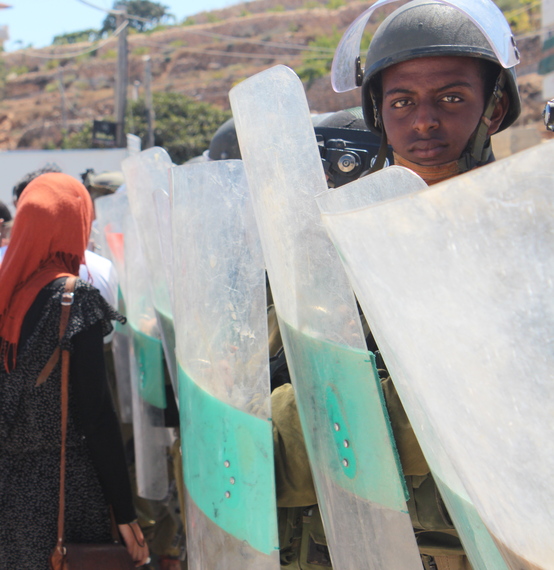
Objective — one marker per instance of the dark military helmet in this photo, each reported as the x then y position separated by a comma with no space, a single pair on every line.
102,184
224,144
426,28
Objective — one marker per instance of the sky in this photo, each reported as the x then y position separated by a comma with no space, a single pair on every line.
36,22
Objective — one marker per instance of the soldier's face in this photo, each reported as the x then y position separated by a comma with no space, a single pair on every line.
431,106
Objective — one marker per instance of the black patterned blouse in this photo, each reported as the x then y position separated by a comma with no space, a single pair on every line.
96,472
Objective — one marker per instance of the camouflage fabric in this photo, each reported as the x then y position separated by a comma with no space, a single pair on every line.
302,536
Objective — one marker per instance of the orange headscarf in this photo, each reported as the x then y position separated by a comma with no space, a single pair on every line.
49,237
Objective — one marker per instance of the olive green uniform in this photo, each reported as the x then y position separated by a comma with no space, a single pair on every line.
302,540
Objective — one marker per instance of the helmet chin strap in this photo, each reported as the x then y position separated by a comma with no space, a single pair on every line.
379,161
478,149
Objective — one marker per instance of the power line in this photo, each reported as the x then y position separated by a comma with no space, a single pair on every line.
225,53
260,42
106,11
527,8
115,12
324,54
215,34
236,39
79,53
537,32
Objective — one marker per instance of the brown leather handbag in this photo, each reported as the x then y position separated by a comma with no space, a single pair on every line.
106,556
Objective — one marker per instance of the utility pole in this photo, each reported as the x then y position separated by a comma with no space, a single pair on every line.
148,100
546,66
121,82
63,104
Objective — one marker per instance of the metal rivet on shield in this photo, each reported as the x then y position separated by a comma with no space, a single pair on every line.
346,443
336,426
345,462
227,463
227,494
232,480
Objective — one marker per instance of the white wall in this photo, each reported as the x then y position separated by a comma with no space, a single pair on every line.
547,12
14,164
548,87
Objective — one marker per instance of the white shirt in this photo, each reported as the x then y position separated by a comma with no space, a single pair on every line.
99,272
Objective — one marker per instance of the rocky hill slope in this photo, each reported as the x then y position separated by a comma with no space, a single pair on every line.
202,59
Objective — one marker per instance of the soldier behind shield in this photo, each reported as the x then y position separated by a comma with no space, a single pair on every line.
434,89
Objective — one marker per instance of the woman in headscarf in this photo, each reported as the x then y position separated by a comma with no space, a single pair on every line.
49,237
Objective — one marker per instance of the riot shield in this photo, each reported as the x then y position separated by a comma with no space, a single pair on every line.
110,212
147,373
144,173
220,317
389,184
134,144
352,456
162,205
456,282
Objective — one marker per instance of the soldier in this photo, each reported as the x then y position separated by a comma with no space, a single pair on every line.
101,184
5,224
434,89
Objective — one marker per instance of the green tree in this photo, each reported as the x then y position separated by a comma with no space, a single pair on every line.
78,139
314,64
154,12
183,126
522,15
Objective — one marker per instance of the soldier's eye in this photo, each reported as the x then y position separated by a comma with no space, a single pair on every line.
451,99
400,103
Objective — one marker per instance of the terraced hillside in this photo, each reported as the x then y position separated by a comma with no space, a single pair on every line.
202,58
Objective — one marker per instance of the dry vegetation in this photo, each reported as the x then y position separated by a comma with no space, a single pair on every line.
193,59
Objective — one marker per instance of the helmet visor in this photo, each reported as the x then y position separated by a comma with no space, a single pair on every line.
483,13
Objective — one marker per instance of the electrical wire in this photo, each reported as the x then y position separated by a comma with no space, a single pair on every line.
227,53
115,12
324,54
260,42
516,11
544,29
215,35
79,53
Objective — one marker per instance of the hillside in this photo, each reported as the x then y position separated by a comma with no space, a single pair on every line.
202,59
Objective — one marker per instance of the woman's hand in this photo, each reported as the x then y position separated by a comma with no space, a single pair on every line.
135,542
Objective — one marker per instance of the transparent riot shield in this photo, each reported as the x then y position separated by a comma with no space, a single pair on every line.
145,173
134,144
220,317
352,455
388,184
162,205
456,282
110,212
147,373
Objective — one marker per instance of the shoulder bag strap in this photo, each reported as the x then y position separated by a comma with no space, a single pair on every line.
67,301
